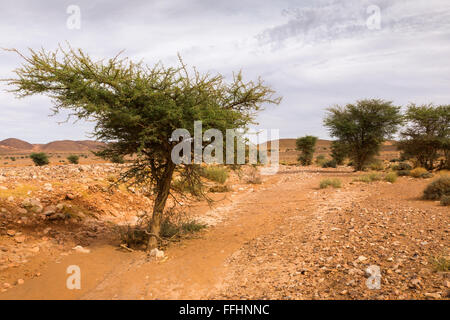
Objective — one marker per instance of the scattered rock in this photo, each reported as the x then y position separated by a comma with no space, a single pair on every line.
158,254
81,249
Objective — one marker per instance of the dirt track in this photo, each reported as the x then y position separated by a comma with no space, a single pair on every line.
286,240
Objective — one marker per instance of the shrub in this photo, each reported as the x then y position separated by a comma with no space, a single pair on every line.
402,173
214,173
320,160
440,263
330,164
376,165
254,177
73,159
335,183
402,166
116,158
13,158
369,177
193,187
391,177
445,200
418,172
437,189
218,189
39,159
170,229
306,145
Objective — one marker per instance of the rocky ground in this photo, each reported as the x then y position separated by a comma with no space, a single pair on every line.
282,239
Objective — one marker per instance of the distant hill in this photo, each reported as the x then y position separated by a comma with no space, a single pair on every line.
13,145
16,144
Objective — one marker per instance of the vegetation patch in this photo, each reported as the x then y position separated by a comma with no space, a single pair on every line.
437,188
325,183
215,173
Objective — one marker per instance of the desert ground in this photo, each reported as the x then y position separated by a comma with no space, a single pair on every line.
280,238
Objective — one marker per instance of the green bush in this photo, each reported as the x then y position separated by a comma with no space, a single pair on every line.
117,159
39,159
182,185
214,173
376,165
330,164
320,160
445,200
325,183
170,230
369,177
437,188
402,166
74,159
403,173
391,177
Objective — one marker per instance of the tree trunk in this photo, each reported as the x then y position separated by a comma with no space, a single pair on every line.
163,189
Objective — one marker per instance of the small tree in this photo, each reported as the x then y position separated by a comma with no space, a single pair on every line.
39,158
307,146
74,159
339,152
136,109
427,136
363,127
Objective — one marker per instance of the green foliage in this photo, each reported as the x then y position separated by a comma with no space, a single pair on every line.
39,159
306,145
391,177
402,166
215,173
325,183
428,135
321,159
440,263
370,177
363,127
376,165
445,200
329,164
339,151
74,159
438,188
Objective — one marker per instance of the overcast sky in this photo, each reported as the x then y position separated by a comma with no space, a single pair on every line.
314,53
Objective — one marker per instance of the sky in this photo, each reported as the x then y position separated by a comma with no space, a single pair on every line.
313,53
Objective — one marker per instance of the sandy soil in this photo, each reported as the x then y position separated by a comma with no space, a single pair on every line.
283,239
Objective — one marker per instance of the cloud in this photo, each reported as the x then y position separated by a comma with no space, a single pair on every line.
314,53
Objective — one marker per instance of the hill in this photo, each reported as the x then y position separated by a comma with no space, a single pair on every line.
13,143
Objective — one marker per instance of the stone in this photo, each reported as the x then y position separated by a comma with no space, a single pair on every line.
81,249
158,254
20,282
19,239
70,196
433,295
11,233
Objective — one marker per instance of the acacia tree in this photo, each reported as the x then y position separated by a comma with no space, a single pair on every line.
363,127
307,146
428,135
136,108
